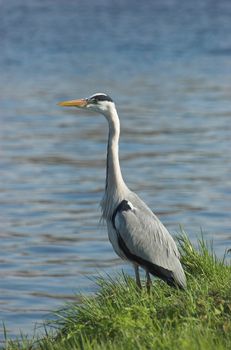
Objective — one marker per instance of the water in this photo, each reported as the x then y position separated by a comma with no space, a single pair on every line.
167,65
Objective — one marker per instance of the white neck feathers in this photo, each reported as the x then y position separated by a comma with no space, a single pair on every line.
115,185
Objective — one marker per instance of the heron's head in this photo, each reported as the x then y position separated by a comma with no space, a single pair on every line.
99,102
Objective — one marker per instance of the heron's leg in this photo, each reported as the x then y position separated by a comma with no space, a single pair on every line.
136,268
149,282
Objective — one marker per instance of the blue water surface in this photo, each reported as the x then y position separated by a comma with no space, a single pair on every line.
167,65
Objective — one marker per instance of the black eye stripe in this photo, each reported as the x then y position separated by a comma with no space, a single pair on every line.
101,98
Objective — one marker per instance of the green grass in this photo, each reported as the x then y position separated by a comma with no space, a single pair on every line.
122,317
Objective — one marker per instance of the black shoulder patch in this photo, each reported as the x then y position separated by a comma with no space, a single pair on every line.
123,206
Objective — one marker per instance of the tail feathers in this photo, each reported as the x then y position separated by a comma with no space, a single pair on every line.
172,278
179,278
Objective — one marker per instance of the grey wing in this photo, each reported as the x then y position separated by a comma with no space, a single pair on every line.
145,240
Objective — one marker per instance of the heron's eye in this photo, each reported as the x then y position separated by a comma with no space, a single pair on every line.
93,100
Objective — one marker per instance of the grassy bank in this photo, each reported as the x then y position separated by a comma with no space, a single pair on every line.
121,317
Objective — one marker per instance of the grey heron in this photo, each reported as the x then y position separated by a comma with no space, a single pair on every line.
135,232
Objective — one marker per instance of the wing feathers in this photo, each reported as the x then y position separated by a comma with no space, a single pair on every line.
144,240
156,270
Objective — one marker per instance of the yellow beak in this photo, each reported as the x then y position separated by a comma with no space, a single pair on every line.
74,103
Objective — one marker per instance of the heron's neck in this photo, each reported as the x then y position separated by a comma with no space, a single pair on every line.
114,179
